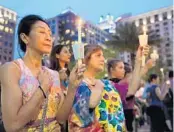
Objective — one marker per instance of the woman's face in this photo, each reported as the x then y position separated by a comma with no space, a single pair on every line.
40,38
118,71
96,61
64,55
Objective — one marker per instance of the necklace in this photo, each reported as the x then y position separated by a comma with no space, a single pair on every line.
90,81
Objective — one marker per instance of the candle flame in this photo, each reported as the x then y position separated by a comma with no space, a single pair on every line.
161,69
79,22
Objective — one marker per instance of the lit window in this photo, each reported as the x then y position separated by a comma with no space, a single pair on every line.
6,29
2,20
72,33
1,27
11,30
73,42
10,16
67,31
6,22
67,42
83,34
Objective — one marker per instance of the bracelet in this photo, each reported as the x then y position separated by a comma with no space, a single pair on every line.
42,92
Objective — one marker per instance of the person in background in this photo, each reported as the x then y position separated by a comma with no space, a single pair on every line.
59,59
155,98
168,101
32,99
97,105
127,83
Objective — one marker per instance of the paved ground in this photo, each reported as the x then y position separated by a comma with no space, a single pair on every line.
145,128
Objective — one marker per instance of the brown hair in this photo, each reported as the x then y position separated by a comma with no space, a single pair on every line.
112,63
89,50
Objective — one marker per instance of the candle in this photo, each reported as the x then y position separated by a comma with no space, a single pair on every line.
143,40
154,55
80,31
144,30
162,72
79,38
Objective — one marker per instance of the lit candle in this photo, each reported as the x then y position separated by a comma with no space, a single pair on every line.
143,40
162,72
80,39
80,31
154,55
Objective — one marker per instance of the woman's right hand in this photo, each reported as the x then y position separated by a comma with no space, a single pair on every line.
45,80
62,74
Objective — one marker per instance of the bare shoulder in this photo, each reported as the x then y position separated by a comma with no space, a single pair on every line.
9,69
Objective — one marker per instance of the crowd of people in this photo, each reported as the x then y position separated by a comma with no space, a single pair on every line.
41,98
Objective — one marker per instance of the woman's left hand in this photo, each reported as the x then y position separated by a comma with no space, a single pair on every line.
76,76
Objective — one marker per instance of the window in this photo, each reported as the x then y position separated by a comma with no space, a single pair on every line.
156,25
172,13
5,58
148,20
5,51
157,30
141,21
0,57
165,23
9,58
6,43
156,18
166,34
169,62
165,16
167,44
166,28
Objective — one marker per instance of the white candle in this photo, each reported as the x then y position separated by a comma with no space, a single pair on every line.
162,72
144,30
79,38
143,40
80,31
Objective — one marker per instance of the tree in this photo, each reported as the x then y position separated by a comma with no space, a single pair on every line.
126,38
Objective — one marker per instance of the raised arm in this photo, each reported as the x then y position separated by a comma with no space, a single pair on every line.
136,75
74,81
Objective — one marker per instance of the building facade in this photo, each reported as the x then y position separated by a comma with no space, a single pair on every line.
7,33
109,24
65,30
159,25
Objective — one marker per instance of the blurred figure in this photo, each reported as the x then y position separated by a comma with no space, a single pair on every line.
168,100
155,98
59,59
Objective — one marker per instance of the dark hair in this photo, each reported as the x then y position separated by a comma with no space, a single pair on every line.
54,62
151,77
89,50
25,26
127,68
170,74
112,63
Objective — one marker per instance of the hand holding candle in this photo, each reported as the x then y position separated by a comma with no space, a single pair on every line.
143,40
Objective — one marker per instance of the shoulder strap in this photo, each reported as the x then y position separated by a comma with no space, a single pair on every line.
42,123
